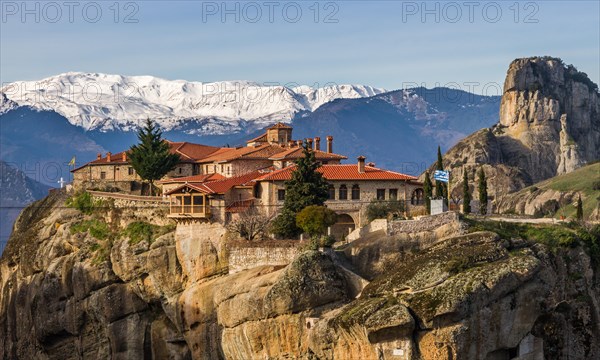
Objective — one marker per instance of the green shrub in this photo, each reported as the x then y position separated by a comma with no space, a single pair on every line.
96,228
380,209
314,220
596,185
284,225
142,231
553,236
83,202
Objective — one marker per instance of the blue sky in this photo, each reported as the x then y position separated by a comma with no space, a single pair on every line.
390,44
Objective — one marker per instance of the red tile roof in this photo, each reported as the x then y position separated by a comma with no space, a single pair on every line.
193,178
187,152
196,186
296,153
259,138
340,172
222,186
218,186
264,151
195,151
280,125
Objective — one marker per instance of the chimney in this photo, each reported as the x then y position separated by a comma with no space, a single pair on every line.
309,141
99,156
124,156
361,164
299,143
330,144
317,143
108,154
291,143
371,164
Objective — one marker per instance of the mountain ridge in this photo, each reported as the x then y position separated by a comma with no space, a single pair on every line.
96,101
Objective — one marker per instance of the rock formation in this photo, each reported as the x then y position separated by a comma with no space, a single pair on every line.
440,289
549,125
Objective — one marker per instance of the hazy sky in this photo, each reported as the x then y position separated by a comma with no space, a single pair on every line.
390,44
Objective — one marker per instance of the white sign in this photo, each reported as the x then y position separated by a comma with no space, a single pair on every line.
398,352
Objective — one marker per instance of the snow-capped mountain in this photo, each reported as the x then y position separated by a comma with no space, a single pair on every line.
114,102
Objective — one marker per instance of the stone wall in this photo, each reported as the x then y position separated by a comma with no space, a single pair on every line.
429,223
136,208
247,257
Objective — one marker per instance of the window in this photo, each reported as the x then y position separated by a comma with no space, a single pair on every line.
417,197
331,192
196,169
393,194
281,194
380,194
343,195
355,192
221,168
103,175
130,170
180,170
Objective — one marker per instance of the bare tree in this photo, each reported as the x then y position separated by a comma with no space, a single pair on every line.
252,224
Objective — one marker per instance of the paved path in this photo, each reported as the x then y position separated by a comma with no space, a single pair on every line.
525,220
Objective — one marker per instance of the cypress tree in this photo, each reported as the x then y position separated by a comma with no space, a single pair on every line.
483,195
151,158
466,194
440,189
579,209
306,187
428,191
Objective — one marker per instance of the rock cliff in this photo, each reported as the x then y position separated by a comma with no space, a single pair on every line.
76,286
549,125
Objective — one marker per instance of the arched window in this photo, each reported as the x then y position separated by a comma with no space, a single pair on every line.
417,197
343,195
331,192
355,192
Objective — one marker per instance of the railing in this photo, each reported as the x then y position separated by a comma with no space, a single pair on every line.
114,195
199,211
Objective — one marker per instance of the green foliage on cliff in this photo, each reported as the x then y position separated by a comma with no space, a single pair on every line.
553,236
84,202
95,227
142,231
579,76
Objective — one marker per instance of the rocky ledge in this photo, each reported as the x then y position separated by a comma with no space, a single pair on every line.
72,288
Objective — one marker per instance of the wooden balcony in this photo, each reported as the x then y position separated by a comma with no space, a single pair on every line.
189,206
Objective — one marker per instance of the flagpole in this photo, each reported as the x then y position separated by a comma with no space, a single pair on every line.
448,190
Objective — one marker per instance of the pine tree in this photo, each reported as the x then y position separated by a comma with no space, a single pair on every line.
483,195
466,193
151,158
579,209
428,191
440,189
306,187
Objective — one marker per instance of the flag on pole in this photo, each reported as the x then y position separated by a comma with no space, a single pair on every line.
441,175
72,162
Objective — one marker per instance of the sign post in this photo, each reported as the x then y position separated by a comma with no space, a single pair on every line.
443,176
